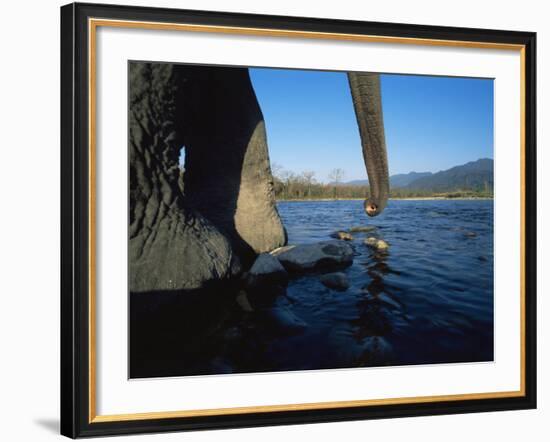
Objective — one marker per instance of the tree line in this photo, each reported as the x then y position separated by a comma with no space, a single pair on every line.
289,185
297,186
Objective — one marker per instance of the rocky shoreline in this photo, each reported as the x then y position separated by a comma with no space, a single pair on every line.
271,272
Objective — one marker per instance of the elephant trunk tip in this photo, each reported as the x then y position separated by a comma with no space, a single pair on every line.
372,208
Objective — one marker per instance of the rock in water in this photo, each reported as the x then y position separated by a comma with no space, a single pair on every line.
336,281
371,241
266,270
375,243
357,229
280,250
345,236
324,254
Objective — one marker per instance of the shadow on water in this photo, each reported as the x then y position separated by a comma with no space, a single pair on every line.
374,320
171,331
208,331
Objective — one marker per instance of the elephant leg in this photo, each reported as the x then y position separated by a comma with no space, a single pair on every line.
227,171
171,246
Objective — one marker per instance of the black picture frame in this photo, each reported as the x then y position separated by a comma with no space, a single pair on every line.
75,221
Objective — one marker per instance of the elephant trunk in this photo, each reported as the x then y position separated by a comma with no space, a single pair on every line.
365,92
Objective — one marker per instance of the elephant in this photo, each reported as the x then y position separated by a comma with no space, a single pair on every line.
210,228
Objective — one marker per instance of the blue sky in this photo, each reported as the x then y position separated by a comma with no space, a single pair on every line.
432,123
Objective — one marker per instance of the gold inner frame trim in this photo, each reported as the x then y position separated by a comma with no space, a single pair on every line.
93,24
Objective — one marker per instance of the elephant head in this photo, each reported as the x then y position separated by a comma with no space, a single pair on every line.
226,213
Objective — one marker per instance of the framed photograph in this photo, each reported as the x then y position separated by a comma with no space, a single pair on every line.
274,220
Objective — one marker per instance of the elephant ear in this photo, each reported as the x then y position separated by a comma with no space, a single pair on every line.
367,101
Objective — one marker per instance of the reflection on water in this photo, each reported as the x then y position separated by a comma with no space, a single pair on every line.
427,299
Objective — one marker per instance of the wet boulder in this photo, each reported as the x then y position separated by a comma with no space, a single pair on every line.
371,241
335,281
375,243
280,250
266,270
341,234
321,255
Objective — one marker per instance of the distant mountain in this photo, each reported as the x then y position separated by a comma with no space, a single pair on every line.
354,183
404,179
475,175
398,180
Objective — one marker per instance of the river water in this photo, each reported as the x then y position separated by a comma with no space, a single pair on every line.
428,299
